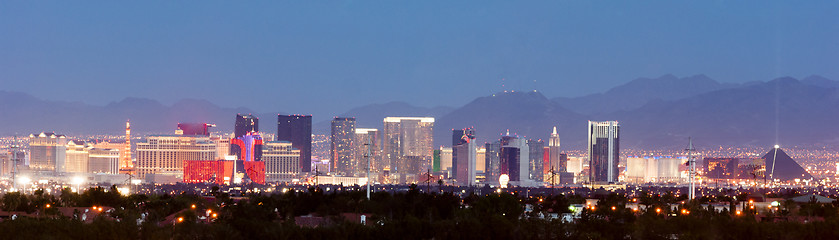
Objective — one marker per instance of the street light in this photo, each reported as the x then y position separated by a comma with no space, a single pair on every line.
78,181
24,180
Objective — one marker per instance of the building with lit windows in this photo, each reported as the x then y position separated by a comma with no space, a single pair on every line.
553,152
603,151
47,152
297,129
281,161
103,160
514,159
368,139
654,169
464,157
245,124
76,157
208,171
536,161
407,147
446,159
342,147
721,168
165,154
492,161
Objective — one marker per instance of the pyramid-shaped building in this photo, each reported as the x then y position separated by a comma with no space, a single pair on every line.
785,168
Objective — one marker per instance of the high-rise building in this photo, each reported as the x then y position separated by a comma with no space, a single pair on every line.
515,158
536,161
464,154
198,128
368,138
165,154
77,157
480,160
407,145
435,160
553,144
342,147
249,147
297,129
282,161
446,159
245,124
47,152
222,145
103,160
492,161
603,151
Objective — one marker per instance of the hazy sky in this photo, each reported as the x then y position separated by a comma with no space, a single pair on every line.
324,57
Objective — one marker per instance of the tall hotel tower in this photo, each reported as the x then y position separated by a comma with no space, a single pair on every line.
47,152
245,124
464,156
553,144
407,146
342,146
603,151
297,129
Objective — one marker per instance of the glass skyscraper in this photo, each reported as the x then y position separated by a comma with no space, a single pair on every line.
297,129
603,151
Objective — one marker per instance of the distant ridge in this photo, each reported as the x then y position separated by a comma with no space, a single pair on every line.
23,114
641,91
712,113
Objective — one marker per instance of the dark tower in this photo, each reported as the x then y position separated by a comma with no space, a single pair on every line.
197,128
297,129
245,124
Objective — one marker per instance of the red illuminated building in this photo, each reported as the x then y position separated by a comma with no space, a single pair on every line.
215,171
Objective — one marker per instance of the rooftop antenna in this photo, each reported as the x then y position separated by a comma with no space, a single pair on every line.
691,168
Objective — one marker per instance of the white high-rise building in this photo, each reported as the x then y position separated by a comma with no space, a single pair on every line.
554,151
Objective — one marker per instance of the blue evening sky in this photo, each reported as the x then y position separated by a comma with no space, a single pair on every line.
324,57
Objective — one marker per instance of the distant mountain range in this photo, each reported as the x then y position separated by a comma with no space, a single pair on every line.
653,112
23,114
